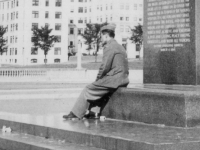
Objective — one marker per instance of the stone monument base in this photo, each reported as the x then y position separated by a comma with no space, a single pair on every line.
177,106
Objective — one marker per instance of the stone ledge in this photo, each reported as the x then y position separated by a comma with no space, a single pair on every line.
155,106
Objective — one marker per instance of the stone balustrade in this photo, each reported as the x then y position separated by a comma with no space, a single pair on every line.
22,72
57,75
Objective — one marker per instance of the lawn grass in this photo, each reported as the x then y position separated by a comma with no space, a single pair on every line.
88,62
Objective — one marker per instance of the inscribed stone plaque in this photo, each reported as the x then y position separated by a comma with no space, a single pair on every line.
172,41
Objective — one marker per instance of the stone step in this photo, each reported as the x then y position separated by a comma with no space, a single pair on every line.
16,141
108,134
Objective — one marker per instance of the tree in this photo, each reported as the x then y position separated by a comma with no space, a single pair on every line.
92,35
137,36
43,40
3,41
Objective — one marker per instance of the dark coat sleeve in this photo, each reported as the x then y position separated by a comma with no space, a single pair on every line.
106,63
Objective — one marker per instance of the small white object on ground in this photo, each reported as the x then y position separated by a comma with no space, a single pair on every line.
4,129
8,130
102,118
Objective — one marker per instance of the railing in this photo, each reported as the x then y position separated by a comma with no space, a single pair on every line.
22,72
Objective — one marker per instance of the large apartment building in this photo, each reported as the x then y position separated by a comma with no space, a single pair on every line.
125,13
20,16
68,19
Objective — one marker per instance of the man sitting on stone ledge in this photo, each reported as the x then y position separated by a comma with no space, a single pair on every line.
113,73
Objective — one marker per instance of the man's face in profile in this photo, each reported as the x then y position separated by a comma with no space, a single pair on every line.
104,37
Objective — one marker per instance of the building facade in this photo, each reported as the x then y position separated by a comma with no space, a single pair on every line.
20,16
124,13
68,19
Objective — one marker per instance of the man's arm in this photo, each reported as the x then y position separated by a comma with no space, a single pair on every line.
106,63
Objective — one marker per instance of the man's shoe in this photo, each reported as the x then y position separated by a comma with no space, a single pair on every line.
70,116
92,115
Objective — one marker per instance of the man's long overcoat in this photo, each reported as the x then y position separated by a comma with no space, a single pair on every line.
113,72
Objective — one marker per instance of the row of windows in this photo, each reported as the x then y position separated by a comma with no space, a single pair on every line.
13,16
13,27
121,19
127,7
57,26
127,19
12,3
35,14
58,3
13,39
71,31
57,51
81,10
55,60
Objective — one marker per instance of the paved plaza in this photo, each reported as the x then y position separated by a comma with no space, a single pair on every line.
34,113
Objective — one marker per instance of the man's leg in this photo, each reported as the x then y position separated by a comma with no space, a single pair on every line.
92,93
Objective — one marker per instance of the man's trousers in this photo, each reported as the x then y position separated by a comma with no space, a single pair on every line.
92,93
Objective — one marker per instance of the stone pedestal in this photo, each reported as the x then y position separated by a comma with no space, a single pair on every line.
171,42
178,107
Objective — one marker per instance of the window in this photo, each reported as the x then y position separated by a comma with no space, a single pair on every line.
59,38
58,26
16,15
17,3
46,25
57,51
71,31
46,14
15,60
72,10
127,18
11,27
135,6
140,19
34,51
16,27
15,51
80,0
71,21
127,7
80,21
80,30
35,2
34,25
15,39
71,43
8,4
137,47
121,18
58,15
58,3
80,9
85,10
72,0
13,16
85,20
56,60
33,60
35,14
47,3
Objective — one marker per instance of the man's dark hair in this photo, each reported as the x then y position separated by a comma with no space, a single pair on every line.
110,32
